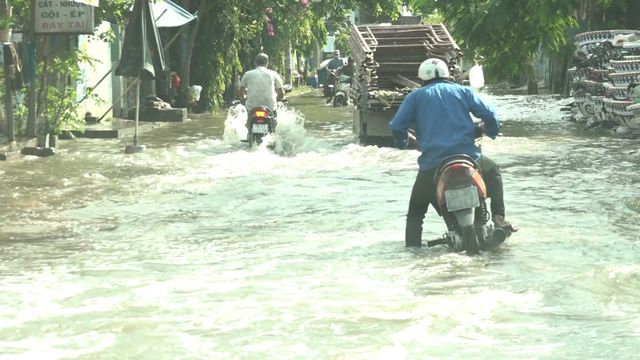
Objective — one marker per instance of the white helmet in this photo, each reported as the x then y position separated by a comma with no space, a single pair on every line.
433,68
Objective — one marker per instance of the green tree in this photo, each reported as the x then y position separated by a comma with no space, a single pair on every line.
608,14
57,68
223,41
61,94
508,33
235,30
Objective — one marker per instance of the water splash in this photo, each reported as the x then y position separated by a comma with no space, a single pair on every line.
234,125
289,138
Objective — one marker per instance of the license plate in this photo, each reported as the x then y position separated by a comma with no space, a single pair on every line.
464,198
260,128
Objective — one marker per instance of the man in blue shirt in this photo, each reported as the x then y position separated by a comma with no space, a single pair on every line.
334,68
439,114
336,63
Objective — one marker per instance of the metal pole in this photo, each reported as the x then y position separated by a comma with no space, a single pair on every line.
134,148
114,66
126,91
135,135
144,46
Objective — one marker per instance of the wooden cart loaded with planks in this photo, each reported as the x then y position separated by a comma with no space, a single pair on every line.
386,60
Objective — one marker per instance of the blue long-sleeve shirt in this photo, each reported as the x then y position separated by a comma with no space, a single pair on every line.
439,114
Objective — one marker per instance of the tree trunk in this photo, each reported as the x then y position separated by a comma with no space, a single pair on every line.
561,62
288,64
532,84
4,8
633,9
186,76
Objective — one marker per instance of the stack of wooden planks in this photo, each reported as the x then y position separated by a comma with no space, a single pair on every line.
386,59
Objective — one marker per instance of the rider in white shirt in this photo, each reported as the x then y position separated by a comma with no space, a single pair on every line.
262,86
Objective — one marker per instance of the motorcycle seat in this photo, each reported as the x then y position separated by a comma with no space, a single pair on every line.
455,158
448,160
263,108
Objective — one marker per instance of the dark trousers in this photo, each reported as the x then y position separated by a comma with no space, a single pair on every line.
424,193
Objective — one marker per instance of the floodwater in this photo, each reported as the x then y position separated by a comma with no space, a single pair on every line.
199,248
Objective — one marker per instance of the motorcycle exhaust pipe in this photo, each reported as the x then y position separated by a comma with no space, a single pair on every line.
441,241
500,235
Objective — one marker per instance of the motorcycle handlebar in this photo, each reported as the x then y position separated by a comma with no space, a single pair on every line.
479,131
412,141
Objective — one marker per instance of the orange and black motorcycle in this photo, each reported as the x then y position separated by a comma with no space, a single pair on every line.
462,197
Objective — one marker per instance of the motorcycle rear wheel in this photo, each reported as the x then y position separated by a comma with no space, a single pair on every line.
470,240
252,139
255,138
338,100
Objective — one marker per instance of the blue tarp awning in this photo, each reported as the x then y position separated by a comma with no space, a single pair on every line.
169,14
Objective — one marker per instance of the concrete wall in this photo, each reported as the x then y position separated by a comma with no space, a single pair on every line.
100,51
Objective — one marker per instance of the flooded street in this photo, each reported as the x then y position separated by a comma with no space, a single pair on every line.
199,248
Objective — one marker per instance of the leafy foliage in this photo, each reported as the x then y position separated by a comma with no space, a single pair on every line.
61,96
342,40
243,28
232,31
508,33
113,11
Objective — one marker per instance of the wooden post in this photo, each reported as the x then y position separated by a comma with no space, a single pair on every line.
9,75
289,63
31,101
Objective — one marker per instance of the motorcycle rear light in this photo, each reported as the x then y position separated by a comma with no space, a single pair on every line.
261,114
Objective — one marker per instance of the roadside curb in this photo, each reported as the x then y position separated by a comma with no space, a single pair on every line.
114,130
13,150
118,128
